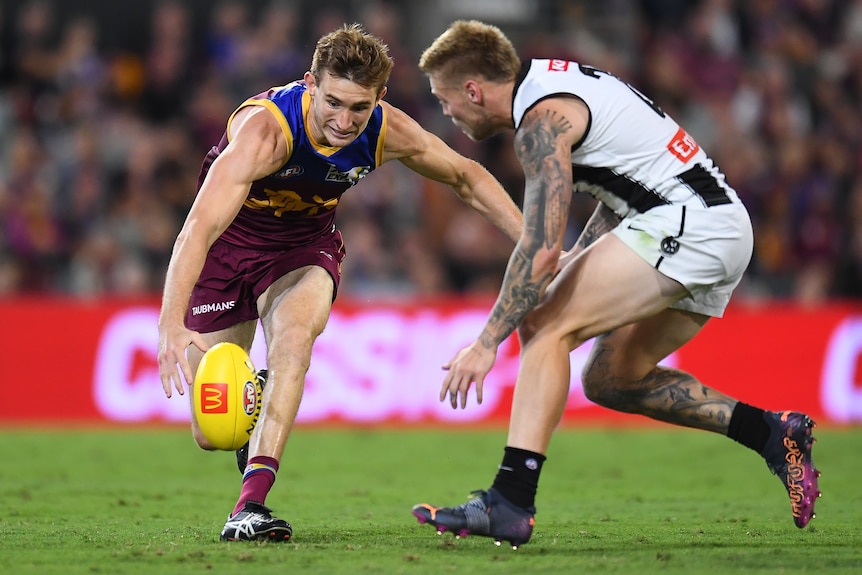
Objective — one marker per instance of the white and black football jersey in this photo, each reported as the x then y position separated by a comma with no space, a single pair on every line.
633,156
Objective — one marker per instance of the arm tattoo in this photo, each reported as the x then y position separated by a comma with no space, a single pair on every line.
546,205
536,147
601,222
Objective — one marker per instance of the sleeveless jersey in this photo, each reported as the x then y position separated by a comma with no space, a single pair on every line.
296,205
633,156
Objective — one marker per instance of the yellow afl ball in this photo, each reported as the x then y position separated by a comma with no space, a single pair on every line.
227,396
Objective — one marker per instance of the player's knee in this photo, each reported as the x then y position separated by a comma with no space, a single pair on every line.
596,387
289,361
621,387
541,324
292,347
200,440
602,383
613,393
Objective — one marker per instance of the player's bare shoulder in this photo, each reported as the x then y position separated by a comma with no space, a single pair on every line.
556,121
553,124
256,133
404,136
251,119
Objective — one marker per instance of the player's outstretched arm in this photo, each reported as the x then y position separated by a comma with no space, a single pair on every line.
543,145
428,155
257,148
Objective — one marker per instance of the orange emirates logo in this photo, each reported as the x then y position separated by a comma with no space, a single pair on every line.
558,66
683,146
213,398
795,475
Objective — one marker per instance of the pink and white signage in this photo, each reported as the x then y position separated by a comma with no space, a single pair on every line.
381,363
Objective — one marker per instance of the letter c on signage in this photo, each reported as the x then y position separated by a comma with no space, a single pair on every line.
841,397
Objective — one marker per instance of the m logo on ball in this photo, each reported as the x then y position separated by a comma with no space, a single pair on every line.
213,398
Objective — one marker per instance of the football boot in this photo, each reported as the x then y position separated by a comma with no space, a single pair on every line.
254,522
488,514
788,455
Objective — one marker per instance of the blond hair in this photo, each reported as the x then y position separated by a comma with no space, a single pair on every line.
352,54
470,47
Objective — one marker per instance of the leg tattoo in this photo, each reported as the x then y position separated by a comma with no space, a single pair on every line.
665,394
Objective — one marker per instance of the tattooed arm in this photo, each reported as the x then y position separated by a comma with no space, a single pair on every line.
601,222
543,144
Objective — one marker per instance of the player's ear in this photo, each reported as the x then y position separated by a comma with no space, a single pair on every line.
382,93
309,80
474,91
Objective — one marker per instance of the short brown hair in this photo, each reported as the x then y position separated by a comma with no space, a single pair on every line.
471,47
352,54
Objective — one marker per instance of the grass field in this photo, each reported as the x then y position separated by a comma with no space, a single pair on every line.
629,501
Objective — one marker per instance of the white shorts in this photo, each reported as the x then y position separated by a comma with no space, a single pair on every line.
706,249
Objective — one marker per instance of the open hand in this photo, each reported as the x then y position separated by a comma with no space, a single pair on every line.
469,365
173,342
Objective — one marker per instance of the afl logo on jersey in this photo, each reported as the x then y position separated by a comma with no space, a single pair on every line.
289,172
558,66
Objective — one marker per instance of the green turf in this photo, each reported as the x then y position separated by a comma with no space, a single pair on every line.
632,501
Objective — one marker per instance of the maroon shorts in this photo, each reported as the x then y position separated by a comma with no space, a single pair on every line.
233,278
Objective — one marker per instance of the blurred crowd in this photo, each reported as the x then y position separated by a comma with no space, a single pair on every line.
103,139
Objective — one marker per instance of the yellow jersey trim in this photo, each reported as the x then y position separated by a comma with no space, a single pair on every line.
279,117
378,156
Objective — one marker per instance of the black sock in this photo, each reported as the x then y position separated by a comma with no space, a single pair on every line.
518,477
748,427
